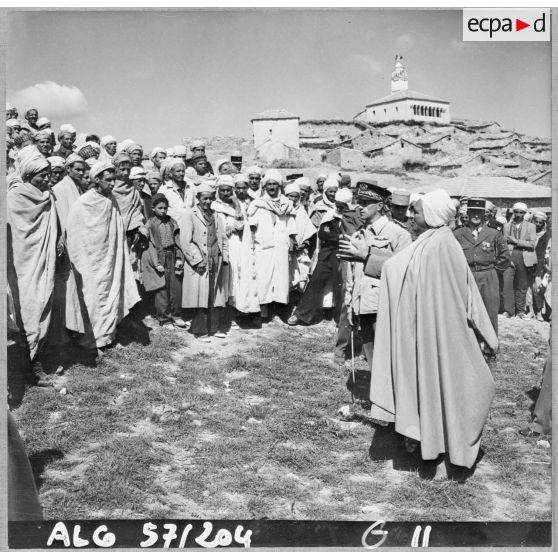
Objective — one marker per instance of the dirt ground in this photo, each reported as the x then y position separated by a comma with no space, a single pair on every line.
247,428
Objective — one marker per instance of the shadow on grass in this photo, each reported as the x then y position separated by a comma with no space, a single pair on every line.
39,462
132,331
387,445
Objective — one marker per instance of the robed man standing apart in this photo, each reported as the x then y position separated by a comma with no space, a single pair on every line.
429,376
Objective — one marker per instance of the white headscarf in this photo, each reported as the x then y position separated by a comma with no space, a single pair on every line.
438,208
30,161
272,174
520,206
107,139
292,189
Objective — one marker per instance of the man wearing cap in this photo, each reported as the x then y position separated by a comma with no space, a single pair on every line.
399,205
486,253
541,269
380,238
97,247
521,237
236,161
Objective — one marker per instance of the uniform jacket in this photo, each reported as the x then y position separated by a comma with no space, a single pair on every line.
385,238
487,251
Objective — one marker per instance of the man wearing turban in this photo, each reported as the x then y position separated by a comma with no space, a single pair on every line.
176,187
66,147
108,148
33,249
521,237
205,245
429,376
274,231
98,250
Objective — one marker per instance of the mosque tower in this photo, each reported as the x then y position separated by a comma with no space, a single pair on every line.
399,79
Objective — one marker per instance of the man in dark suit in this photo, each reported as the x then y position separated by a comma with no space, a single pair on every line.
521,237
486,252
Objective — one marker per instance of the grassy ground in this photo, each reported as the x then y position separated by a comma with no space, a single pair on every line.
245,428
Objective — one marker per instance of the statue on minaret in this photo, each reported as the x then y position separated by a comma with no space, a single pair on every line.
399,79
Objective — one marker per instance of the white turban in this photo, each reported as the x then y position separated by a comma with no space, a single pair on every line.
13,122
205,188
196,144
155,151
30,161
274,175
68,128
321,175
292,189
170,151
540,215
123,145
520,206
241,178
438,208
107,139
225,180
501,219
56,162
137,172
42,121
73,158
99,167
331,183
220,163
254,170
344,195
180,150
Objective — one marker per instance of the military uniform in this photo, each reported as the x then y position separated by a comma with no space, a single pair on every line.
486,254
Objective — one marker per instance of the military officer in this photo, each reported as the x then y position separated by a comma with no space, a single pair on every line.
486,252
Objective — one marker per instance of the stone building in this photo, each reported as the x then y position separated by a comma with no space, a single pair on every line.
276,126
406,104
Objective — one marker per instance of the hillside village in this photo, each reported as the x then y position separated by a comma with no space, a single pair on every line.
406,135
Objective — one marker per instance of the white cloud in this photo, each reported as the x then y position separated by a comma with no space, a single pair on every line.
51,99
368,63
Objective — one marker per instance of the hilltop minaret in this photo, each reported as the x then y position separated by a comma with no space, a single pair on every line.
399,79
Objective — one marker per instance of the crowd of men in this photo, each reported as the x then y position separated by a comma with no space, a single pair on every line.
102,234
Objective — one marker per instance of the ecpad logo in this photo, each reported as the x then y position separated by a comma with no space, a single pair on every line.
518,24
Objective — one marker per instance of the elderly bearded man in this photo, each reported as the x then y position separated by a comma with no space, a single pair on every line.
429,376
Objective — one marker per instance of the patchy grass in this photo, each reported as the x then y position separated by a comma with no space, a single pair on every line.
245,428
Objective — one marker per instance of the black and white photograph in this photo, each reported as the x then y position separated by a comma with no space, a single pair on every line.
283,271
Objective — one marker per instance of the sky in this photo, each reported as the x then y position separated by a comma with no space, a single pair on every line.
160,76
